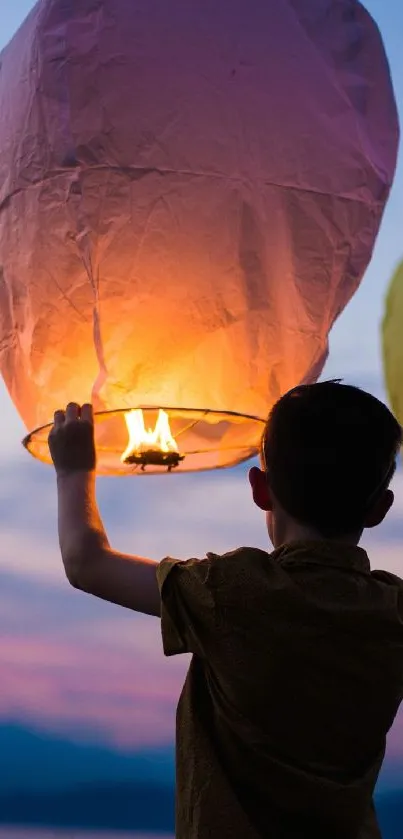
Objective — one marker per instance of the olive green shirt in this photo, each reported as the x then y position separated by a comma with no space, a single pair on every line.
295,679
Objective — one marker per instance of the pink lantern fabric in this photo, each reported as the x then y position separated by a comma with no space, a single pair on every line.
190,195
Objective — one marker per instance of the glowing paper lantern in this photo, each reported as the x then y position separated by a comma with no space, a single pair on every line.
190,194
393,343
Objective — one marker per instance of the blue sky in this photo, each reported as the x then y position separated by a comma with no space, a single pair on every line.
75,665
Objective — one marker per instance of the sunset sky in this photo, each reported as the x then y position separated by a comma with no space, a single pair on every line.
87,670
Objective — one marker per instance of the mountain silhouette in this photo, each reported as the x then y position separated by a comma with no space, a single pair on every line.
34,760
53,781
124,806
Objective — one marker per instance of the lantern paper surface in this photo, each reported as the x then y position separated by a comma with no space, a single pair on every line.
190,194
393,343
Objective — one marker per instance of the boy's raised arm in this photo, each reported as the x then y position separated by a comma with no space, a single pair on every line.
90,563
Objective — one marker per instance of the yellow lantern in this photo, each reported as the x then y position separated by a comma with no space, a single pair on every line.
190,194
393,343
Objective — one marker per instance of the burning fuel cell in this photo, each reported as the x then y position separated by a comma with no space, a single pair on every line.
153,447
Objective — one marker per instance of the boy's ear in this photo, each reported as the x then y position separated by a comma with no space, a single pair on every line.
260,489
380,509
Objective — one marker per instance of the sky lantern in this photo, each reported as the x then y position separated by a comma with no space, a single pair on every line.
190,195
393,343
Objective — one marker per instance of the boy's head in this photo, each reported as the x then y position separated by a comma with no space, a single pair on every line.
328,455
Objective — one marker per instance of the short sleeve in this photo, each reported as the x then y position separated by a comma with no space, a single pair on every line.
188,605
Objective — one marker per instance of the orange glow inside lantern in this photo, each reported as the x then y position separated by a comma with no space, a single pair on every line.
153,440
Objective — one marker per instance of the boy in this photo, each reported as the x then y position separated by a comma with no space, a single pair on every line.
297,667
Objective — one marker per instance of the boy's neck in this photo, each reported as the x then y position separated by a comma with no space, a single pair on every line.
293,531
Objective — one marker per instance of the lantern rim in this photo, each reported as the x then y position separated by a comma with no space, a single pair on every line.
242,453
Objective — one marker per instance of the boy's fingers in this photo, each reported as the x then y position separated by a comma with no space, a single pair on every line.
58,418
253,473
72,412
87,413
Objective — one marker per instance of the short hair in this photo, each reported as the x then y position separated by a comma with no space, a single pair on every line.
330,451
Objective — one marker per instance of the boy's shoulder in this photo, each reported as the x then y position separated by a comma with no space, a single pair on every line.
241,566
240,555
239,559
387,578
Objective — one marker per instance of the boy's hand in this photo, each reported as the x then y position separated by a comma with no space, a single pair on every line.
71,440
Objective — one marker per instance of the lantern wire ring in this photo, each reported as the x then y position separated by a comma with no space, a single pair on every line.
34,438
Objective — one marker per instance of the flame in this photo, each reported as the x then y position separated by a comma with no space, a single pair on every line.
143,440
